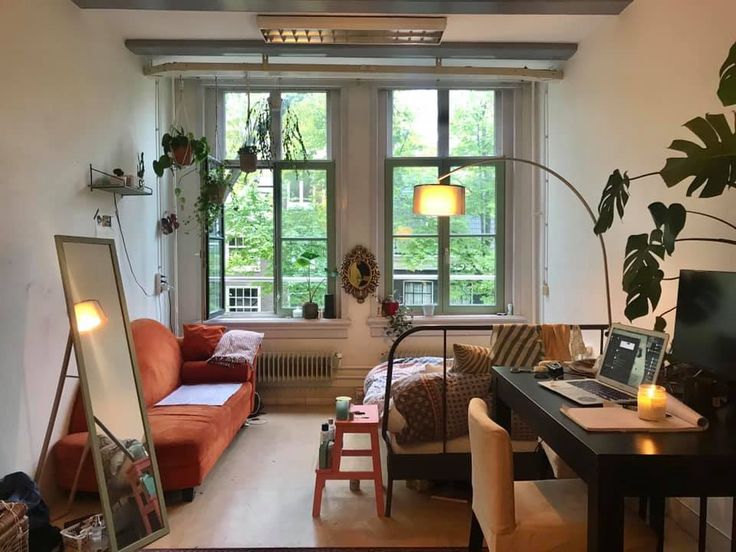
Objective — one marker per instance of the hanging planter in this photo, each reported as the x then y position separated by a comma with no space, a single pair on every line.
248,156
181,149
216,186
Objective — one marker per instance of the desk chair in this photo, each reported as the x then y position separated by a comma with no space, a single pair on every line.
534,516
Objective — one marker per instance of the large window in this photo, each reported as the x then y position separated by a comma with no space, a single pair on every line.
280,211
454,263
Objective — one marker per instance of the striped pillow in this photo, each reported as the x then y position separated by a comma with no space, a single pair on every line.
516,345
472,359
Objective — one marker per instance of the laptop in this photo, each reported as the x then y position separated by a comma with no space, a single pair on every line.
632,356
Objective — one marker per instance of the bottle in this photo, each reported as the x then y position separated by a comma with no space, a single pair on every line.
332,429
324,447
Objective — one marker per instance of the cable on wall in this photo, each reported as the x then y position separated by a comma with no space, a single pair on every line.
125,248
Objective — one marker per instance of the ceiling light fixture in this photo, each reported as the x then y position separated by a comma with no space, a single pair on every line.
351,30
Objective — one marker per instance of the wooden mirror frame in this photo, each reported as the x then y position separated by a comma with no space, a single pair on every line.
360,254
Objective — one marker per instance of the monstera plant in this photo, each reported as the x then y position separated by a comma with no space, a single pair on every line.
710,167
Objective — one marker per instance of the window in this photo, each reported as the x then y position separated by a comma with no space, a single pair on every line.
243,299
454,263
280,211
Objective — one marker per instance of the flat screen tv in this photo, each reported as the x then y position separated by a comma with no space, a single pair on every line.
705,328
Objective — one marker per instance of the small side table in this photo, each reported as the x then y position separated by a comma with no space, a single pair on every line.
365,420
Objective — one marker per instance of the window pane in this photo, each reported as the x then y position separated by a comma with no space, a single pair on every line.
304,203
298,281
414,123
310,111
406,223
214,263
472,123
472,271
249,245
236,118
480,205
415,260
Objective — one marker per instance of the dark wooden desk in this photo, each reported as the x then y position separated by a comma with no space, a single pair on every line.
619,465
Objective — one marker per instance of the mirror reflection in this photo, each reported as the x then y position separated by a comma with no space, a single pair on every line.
121,446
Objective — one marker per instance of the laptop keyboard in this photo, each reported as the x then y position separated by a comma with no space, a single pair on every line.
603,391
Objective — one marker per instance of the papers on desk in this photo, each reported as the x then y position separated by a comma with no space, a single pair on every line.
613,417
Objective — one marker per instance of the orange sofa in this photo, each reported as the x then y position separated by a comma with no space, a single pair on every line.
188,439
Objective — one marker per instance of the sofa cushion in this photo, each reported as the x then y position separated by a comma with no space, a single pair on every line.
200,371
159,359
200,341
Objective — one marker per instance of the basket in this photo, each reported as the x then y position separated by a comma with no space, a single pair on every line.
13,527
77,538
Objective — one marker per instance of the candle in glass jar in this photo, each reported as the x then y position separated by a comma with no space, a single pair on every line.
652,402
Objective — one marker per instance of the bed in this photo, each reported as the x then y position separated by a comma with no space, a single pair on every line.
447,456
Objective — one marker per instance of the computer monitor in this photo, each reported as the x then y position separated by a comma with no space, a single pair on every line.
705,328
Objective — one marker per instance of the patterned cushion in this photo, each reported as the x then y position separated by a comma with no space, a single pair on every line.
237,347
516,345
472,359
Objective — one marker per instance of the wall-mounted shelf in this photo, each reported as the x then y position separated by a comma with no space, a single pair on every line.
114,184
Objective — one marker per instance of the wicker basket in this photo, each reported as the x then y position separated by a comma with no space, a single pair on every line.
13,527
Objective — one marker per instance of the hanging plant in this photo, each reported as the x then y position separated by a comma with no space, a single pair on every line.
181,149
216,186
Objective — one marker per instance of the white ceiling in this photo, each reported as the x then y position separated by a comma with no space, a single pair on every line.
240,25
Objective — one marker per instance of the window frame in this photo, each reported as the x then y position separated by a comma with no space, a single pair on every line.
503,108
278,165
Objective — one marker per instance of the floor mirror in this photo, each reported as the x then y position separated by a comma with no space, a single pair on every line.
120,442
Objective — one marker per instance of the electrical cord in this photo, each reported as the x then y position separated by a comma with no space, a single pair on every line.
125,249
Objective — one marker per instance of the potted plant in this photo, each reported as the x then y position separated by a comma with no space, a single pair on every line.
310,309
181,149
400,321
257,143
216,185
389,306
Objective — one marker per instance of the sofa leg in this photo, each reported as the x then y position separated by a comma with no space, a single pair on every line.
188,494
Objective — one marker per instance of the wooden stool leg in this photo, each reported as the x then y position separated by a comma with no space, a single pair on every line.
377,476
319,485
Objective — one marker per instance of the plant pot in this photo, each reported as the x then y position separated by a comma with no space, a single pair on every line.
183,155
220,195
310,311
248,162
389,308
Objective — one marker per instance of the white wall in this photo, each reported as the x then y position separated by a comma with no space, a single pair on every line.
625,95
71,95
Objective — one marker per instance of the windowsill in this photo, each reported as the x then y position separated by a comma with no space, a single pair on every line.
288,328
377,324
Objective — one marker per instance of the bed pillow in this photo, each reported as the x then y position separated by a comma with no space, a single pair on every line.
471,359
200,340
516,345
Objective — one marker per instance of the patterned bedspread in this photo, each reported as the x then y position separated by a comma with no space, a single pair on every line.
374,386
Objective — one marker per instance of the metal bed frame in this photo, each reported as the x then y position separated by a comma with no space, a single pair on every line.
451,466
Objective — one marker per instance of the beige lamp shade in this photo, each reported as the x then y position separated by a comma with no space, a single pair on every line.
439,200
89,315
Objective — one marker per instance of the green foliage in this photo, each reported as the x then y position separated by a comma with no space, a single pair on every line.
642,279
216,186
615,195
670,220
712,166
727,88
399,322
175,139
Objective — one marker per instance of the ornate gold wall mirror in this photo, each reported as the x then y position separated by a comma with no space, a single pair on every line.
360,273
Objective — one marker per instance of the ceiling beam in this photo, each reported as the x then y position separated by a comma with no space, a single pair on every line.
277,69
373,7
544,51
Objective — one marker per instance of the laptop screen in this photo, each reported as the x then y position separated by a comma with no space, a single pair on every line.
632,358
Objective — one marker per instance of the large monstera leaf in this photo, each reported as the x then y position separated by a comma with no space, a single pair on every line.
712,165
615,196
670,220
727,88
642,279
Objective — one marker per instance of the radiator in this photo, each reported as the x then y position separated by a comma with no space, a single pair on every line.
295,368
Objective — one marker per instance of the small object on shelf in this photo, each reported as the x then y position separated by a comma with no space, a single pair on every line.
428,310
651,402
342,408
121,185
389,306
329,310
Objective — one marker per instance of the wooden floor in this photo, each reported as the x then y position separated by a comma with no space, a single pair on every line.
260,495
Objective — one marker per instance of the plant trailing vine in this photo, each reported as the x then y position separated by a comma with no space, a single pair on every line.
711,168
217,183
399,322
258,136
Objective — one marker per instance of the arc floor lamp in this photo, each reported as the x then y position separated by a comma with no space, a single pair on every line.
444,199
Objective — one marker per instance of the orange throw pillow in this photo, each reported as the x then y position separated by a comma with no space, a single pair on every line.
200,340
